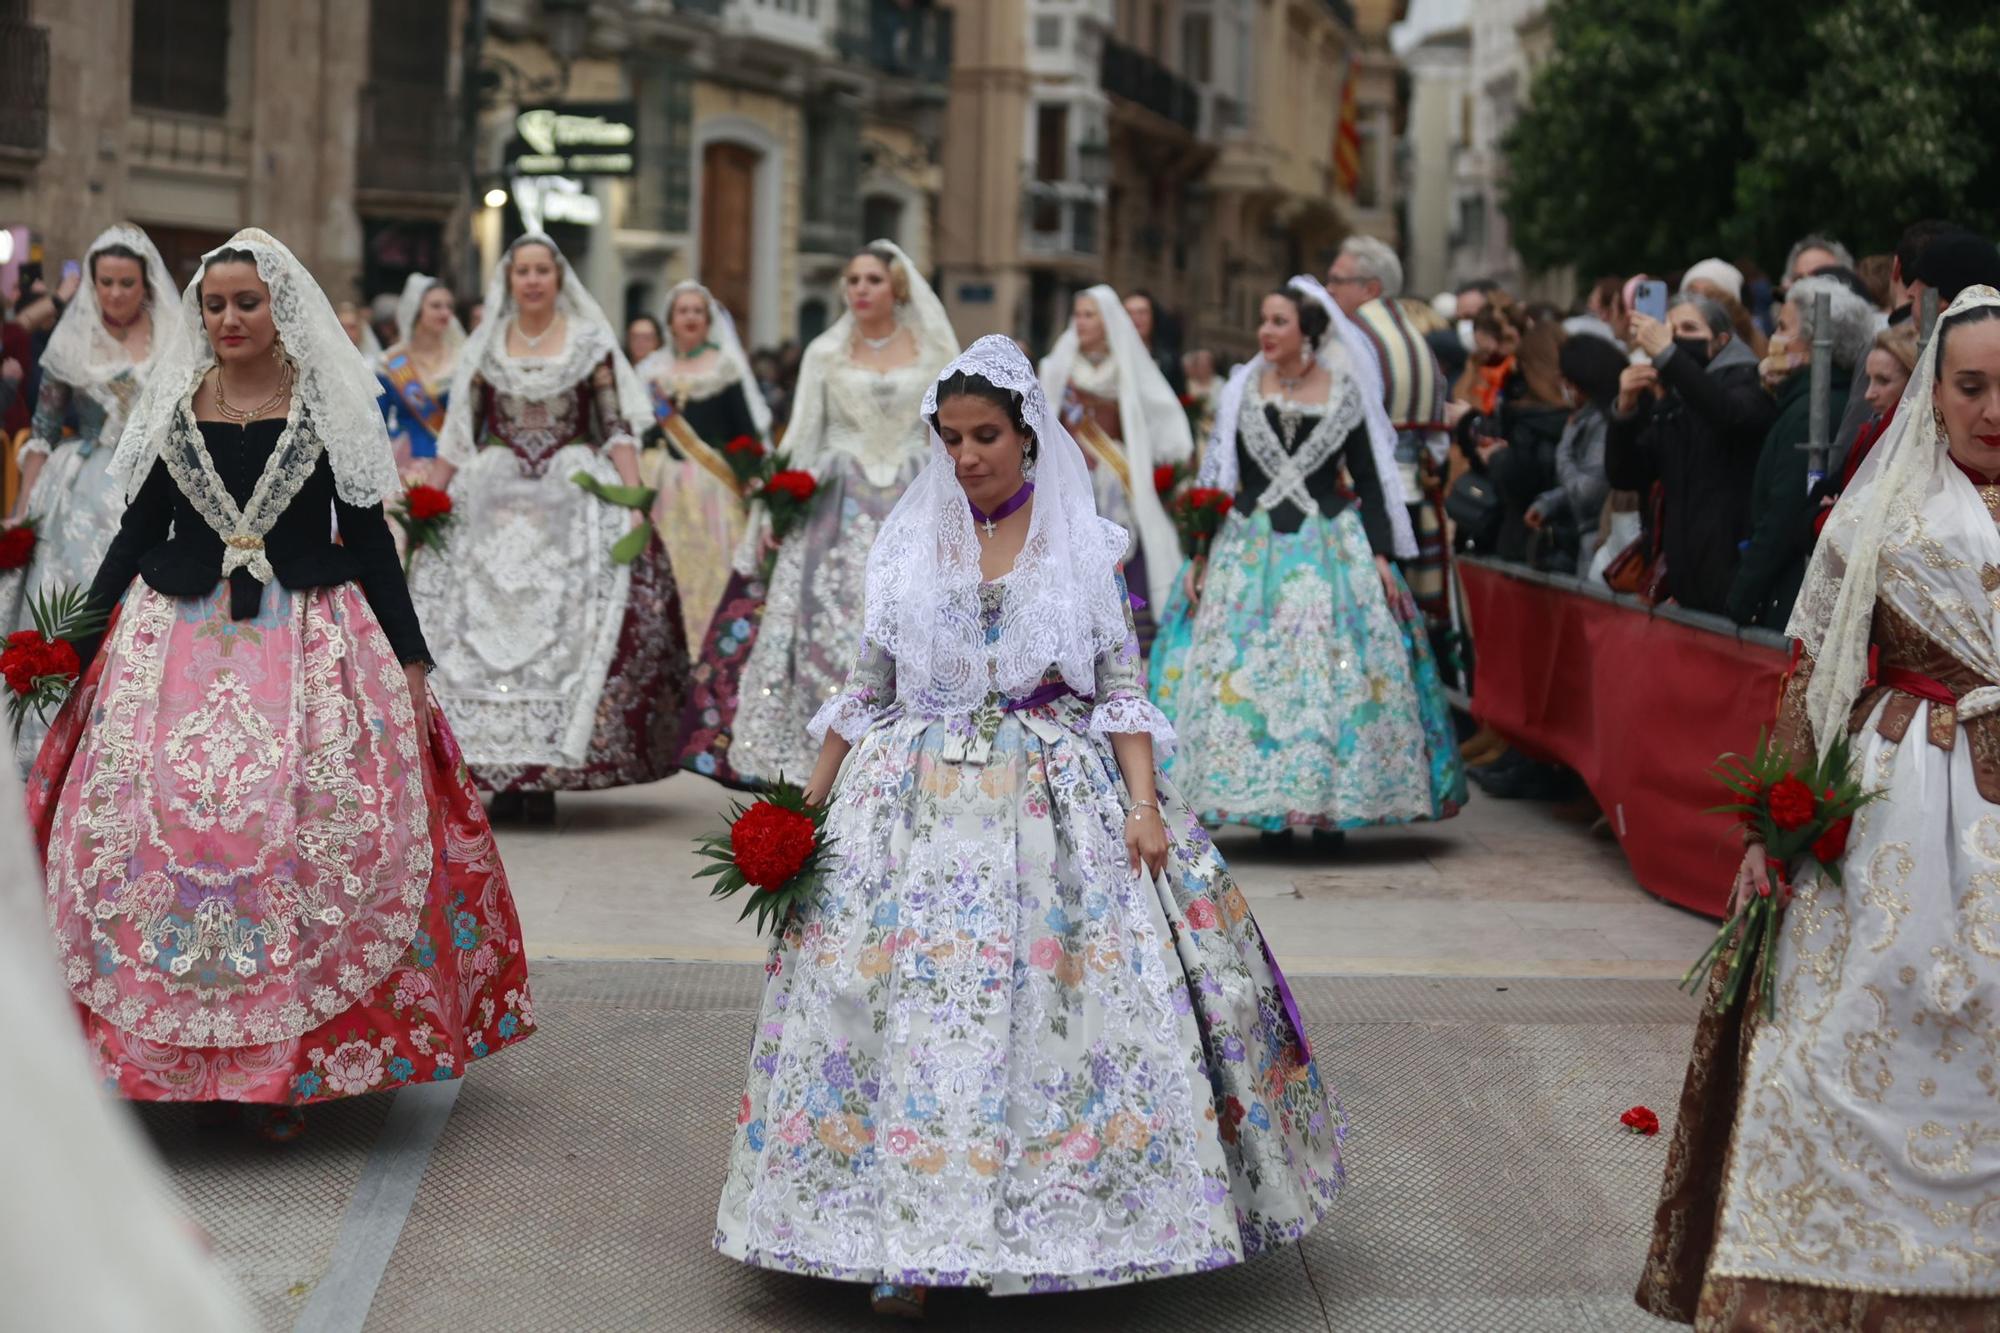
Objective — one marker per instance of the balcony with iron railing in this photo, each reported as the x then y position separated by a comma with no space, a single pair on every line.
177,139
408,141
907,42
1129,73
24,88
1062,220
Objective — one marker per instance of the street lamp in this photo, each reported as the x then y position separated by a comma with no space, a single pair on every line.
1093,163
566,23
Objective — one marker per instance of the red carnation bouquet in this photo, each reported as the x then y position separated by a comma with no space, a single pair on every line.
786,493
17,546
1198,513
425,516
745,457
1802,817
1171,478
40,665
772,847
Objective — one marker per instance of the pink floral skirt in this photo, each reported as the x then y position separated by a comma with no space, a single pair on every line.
266,883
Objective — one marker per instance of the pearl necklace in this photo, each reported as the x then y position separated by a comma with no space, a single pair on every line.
877,344
534,340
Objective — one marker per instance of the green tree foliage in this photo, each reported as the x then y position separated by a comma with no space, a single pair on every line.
1664,130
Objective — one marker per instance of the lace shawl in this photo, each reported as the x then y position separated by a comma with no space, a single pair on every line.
1063,609
335,389
85,355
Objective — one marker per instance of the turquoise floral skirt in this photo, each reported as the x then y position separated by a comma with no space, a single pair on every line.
1304,693
990,1054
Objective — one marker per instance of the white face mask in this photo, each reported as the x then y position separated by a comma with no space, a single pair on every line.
1465,333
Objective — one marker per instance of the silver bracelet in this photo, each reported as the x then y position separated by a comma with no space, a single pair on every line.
1137,806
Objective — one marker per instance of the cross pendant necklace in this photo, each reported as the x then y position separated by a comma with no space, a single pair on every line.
1014,502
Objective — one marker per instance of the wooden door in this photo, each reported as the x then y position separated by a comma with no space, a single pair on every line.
728,224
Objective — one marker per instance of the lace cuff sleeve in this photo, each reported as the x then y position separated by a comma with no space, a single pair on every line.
1793,730
1133,715
46,427
34,445
870,689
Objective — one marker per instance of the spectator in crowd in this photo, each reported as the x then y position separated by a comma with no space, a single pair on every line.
1957,260
643,337
1145,313
1722,282
1565,516
1904,285
1782,504
1876,273
764,367
1607,303
1475,296
1496,337
1892,357
1693,422
15,351
1813,254
1515,441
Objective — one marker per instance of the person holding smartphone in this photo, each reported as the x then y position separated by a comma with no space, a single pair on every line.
1692,421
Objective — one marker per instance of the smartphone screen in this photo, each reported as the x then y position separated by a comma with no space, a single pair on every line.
1650,298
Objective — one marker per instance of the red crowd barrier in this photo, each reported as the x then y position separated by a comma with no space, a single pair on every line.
1640,702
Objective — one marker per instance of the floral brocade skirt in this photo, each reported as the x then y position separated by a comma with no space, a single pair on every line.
989,1054
1304,695
265,884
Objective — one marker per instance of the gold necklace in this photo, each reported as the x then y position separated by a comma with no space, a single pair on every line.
241,416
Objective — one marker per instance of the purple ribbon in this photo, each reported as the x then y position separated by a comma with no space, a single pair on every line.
1285,999
1046,693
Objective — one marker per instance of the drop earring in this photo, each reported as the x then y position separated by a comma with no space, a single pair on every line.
1028,467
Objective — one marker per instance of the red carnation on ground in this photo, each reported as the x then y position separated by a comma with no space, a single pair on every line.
17,546
1792,803
1831,845
428,502
772,844
1640,1120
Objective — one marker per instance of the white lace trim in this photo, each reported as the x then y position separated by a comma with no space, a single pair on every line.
243,530
1290,473
846,716
82,352
1130,715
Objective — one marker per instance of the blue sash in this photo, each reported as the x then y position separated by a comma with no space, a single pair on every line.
400,374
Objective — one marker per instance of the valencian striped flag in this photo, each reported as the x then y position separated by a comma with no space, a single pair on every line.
1347,137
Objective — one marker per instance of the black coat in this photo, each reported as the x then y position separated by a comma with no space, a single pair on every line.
1701,442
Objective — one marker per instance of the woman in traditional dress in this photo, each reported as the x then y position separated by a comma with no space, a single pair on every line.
1293,660
993,1051
269,876
1836,1166
1122,411
711,426
94,366
562,668
416,373
774,654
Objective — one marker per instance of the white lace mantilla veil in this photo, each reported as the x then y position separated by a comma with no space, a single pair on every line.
335,388
588,340
81,352
1350,357
415,288
1062,607
922,314
1836,606
722,332
1155,426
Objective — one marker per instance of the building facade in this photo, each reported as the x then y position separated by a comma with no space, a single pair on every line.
331,126
1181,147
774,138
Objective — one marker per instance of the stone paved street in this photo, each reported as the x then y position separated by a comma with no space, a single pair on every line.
1487,995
